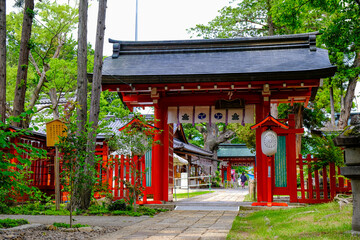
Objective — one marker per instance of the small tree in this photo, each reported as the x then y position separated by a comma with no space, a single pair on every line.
75,169
134,140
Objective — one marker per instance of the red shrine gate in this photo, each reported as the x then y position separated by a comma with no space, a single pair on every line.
213,81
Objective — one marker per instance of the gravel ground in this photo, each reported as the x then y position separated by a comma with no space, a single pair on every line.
43,233
102,225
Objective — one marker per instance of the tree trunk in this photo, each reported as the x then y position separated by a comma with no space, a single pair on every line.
21,78
349,96
332,106
81,110
95,96
82,66
213,138
54,101
2,60
270,22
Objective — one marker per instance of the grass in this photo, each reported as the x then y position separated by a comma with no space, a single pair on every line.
322,221
67,225
98,210
36,209
9,223
314,222
191,194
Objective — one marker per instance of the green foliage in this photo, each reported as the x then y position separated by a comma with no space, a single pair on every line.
66,225
36,208
245,135
135,140
118,205
9,223
98,210
216,181
313,116
76,169
242,169
323,148
240,19
193,135
53,51
15,161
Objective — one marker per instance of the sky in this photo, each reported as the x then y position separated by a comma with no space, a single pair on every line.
157,19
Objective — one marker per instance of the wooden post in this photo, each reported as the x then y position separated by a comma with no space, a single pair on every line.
57,179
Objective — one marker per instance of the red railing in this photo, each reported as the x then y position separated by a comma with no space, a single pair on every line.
123,169
320,185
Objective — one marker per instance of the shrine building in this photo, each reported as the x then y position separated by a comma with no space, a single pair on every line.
219,80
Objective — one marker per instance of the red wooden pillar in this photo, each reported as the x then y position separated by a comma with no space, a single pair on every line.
261,172
160,156
262,163
228,172
165,190
156,156
291,160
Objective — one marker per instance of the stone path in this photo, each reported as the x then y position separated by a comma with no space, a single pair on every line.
208,216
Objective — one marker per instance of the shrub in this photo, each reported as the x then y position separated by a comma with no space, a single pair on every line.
66,225
118,205
9,223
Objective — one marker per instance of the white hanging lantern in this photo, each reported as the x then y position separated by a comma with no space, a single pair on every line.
269,142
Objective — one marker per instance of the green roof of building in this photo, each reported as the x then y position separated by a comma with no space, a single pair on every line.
234,150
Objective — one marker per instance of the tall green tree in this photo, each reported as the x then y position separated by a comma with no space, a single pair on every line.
245,18
95,91
51,44
340,35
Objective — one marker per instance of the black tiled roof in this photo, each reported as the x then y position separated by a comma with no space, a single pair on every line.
191,148
264,58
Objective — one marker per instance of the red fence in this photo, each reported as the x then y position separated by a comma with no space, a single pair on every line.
319,186
120,170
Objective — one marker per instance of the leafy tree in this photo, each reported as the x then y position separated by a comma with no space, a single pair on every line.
212,135
95,95
52,52
193,135
245,18
245,135
340,35
76,173
134,141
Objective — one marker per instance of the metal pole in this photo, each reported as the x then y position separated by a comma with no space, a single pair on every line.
136,21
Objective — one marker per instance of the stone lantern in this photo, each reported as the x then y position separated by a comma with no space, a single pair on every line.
350,141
